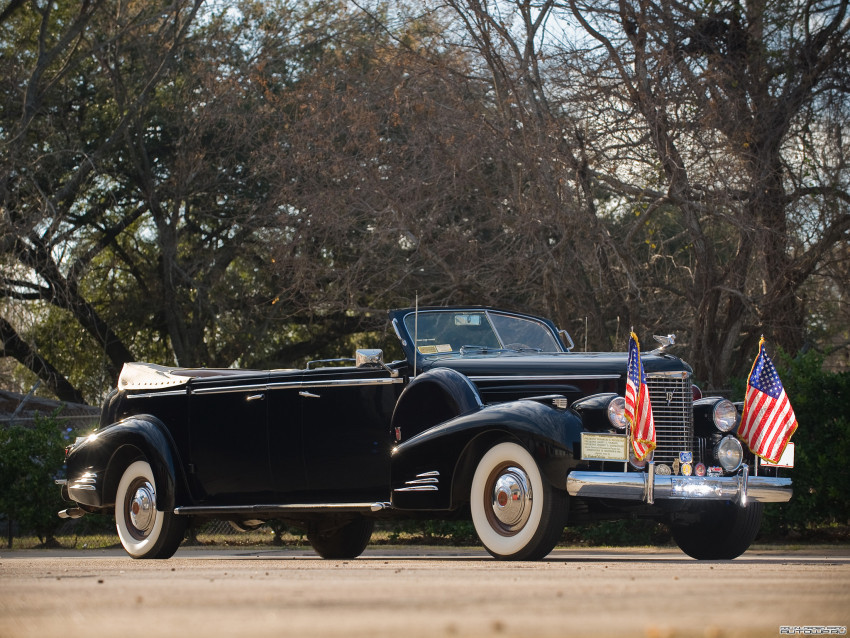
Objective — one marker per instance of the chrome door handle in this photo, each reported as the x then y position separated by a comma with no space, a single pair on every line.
309,395
256,397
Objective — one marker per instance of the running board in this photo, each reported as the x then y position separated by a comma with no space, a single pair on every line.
279,510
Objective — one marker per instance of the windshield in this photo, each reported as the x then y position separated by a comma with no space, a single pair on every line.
447,331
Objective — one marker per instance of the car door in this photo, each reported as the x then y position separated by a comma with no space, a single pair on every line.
346,415
286,457
228,430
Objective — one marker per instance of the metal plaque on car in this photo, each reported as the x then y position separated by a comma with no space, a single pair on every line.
604,447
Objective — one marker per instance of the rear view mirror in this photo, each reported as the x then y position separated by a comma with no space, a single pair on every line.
467,320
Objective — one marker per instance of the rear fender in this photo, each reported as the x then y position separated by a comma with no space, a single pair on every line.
433,470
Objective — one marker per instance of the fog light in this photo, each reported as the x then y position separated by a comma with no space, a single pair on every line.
729,453
725,415
637,463
617,413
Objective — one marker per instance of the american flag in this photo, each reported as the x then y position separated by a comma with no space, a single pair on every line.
768,420
638,407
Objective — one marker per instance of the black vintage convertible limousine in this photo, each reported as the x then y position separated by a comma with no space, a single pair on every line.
490,416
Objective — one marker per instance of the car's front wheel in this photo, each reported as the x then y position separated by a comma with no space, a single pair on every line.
145,531
724,531
340,538
516,513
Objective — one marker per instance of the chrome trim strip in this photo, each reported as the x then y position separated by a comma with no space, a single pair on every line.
254,387
330,383
213,510
282,385
418,488
84,488
431,473
632,486
168,393
675,374
559,377
262,387
423,481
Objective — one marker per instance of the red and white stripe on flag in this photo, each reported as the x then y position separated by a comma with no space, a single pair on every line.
768,421
638,406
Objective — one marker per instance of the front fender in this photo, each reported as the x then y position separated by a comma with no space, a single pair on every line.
433,397
433,470
94,465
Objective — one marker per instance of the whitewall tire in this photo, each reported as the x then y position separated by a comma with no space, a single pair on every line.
144,531
517,514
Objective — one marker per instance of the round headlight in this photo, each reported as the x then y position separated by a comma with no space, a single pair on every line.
725,415
729,453
617,413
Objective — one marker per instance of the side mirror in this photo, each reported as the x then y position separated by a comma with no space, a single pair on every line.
368,358
373,358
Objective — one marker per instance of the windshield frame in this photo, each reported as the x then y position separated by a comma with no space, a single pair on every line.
404,323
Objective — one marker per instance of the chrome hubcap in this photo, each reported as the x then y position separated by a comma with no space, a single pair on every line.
143,508
511,499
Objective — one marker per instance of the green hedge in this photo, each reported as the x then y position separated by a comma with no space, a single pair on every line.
31,458
821,474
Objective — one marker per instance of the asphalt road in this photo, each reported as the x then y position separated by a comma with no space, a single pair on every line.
413,592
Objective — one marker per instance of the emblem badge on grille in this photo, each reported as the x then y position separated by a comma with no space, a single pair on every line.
669,397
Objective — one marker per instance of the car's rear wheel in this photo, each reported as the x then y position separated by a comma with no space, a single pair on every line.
145,531
724,531
340,538
516,513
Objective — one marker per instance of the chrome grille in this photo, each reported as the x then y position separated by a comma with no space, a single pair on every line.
672,412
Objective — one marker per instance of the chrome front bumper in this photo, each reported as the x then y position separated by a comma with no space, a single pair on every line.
640,486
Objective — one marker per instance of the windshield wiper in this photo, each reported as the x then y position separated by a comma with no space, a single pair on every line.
468,349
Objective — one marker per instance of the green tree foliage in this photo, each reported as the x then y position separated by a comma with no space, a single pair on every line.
30,459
